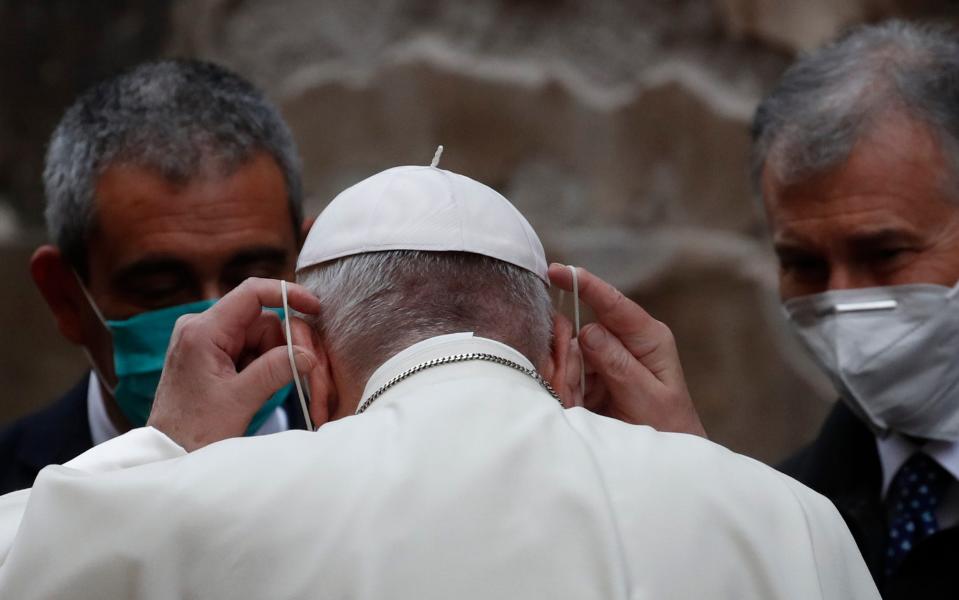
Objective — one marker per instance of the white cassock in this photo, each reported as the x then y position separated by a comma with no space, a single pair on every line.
463,481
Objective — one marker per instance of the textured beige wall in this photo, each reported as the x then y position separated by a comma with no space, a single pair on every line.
619,128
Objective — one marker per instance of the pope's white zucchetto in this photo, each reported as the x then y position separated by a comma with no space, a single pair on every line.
423,208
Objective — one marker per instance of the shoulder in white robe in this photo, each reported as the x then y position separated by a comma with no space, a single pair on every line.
463,481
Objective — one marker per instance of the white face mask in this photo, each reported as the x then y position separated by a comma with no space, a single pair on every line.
892,352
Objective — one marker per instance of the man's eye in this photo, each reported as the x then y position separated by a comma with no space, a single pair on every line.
265,270
887,254
160,296
156,291
804,267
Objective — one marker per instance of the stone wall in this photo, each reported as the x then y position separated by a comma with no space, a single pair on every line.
619,128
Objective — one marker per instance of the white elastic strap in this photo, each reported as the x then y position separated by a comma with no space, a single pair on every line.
99,374
90,301
96,310
582,363
289,350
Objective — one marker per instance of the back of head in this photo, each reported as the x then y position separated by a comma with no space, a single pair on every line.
378,303
176,117
413,252
829,99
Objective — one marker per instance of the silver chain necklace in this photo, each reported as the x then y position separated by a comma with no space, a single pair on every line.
457,358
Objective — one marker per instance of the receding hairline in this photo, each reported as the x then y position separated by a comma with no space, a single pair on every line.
828,100
884,134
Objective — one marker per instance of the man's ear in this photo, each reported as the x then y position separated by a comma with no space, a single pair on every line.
562,370
324,399
59,287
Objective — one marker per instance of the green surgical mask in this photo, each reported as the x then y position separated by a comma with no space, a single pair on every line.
139,349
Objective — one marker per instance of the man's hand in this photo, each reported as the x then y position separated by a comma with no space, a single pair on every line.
632,365
223,364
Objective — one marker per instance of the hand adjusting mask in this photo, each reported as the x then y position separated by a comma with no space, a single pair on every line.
139,349
892,352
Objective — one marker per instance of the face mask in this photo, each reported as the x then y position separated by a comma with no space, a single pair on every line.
139,349
892,352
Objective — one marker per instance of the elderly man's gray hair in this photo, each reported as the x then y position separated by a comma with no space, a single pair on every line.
379,303
173,116
828,99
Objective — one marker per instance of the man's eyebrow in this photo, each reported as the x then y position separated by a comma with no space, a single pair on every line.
149,265
882,235
790,242
867,236
274,254
791,252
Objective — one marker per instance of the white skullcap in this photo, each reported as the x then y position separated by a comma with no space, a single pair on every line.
423,208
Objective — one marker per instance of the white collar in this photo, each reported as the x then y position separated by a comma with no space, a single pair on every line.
103,429
895,450
438,347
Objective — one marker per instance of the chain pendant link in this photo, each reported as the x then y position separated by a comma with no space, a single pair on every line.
458,358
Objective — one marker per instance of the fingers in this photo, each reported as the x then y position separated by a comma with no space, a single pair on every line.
301,331
238,309
264,333
621,315
619,370
635,394
264,376
647,339
318,381
597,397
202,396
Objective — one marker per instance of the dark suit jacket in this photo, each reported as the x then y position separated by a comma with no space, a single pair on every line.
60,432
843,465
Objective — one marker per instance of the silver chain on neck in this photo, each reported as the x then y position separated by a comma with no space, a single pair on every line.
457,358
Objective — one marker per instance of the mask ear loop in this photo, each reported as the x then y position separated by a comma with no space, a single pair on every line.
96,310
93,305
289,350
582,362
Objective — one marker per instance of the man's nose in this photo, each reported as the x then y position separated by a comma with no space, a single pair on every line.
211,290
846,277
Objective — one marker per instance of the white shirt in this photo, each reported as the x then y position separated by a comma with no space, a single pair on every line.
465,480
103,429
895,450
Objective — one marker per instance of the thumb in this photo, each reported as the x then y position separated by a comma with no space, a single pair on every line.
267,374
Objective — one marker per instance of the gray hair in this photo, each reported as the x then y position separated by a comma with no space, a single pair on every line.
173,116
828,99
379,303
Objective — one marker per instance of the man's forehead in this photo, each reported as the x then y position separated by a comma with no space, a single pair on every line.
131,187
850,219
137,209
898,168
